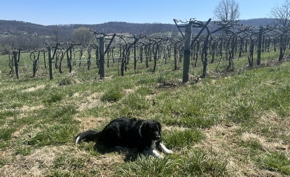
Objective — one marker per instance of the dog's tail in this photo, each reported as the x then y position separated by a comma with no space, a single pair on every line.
87,136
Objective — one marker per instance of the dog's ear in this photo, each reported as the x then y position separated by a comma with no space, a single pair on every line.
159,125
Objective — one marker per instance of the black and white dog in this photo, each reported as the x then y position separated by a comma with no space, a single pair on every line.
145,135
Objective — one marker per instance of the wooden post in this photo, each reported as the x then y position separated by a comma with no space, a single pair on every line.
102,57
69,58
135,57
44,60
49,62
259,46
186,61
16,60
175,55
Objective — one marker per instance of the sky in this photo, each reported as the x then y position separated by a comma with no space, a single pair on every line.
64,12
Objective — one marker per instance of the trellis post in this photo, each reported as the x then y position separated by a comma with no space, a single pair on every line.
135,57
186,61
259,45
49,62
16,58
102,57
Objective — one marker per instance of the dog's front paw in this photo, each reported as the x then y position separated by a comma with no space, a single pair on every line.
164,149
168,151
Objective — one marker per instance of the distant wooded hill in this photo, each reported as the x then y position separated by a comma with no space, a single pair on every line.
19,27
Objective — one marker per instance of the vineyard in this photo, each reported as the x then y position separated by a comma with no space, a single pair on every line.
220,90
223,42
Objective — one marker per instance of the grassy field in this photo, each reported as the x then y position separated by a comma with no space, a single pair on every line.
228,124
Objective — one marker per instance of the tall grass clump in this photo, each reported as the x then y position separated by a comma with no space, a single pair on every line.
112,95
242,112
183,138
53,98
5,133
200,163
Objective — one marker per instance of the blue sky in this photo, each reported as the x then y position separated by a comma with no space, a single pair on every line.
57,12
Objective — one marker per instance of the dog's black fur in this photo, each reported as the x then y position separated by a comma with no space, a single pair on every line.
145,135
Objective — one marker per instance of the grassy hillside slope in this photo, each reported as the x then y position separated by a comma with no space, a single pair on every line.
228,124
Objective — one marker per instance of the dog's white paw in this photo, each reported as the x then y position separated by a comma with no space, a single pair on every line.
164,149
152,152
167,151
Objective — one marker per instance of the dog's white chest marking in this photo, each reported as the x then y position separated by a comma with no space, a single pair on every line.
153,144
152,150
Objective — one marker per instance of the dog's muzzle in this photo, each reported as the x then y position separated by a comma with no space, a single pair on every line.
157,137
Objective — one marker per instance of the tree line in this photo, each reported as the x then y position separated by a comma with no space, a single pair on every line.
28,36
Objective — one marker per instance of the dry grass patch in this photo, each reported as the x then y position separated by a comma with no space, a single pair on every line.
128,91
174,128
18,133
267,145
90,122
47,159
223,141
220,138
26,108
90,101
276,127
103,164
32,89
35,164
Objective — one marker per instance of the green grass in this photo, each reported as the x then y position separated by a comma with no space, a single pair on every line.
204,121
54,135
5,133
195,163
179,139
273,161
112,95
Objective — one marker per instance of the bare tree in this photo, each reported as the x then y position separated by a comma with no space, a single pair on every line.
281,14
227,10
82,35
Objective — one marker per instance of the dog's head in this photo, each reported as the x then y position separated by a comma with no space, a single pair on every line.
151,130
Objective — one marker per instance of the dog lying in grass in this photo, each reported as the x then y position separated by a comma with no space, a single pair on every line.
145,135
